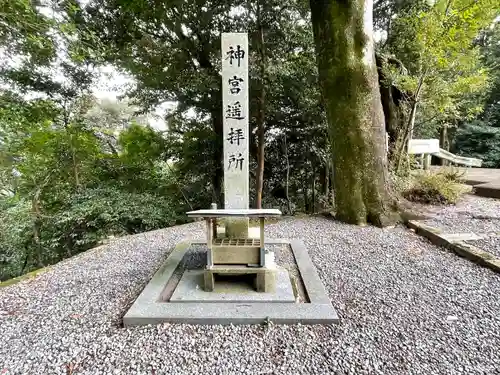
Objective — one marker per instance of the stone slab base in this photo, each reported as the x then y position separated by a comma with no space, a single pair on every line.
190,289
264,279
149,308
457,244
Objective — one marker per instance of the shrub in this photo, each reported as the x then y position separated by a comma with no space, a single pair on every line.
15,236
81,222
94,214
435,188
453,174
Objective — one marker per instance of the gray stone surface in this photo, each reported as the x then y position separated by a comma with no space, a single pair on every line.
190,289
460,247
150,308
407,307
234,212
491,245
466,236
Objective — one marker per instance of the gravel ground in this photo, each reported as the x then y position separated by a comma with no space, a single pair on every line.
472,214
406,307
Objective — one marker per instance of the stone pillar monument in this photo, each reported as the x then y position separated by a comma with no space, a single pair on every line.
235,114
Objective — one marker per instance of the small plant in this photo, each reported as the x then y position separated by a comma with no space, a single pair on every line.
453,174
436,188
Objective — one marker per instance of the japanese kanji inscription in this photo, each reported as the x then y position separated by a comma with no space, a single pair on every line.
235,116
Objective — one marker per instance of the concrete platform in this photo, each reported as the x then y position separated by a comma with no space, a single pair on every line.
190,289
150,308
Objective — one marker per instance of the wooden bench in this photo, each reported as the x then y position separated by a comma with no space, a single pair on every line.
235,255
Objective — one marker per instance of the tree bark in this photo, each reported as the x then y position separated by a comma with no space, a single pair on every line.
392,103
305,192
313,188
444,142
287,178
218,155
261,109
343,33
411,123
326,187
74,160
36,213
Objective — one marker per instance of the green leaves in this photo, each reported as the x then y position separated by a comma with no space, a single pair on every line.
479,140
437,43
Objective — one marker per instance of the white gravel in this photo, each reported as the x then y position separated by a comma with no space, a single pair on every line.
406,307
471,214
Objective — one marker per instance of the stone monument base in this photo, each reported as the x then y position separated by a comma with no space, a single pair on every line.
264,279
231,289
175,293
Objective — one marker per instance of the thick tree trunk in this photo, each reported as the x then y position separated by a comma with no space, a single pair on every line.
343,32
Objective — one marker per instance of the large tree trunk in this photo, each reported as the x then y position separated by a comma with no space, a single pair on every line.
343,32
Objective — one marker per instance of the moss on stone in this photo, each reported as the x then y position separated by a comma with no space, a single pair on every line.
27,276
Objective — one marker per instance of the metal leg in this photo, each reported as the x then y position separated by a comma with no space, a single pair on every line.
214,222
262,245
209,243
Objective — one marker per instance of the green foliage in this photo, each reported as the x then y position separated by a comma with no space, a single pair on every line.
80,223
435,188
25,31
15,229
479,140
68,182
141,145
93,214
453,174
436,44
480,137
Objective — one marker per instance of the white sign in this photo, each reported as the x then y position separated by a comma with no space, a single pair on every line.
423,146
235,115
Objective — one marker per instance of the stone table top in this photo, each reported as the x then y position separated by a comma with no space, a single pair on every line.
235,213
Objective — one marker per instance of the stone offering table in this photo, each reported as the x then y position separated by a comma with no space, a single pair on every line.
233,256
